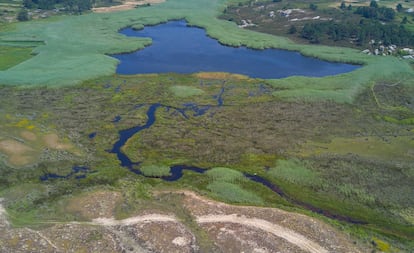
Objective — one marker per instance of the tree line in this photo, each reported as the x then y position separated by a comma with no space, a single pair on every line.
77,6
370,27
380,13
361,33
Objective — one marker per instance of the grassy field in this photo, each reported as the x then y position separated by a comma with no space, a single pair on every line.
11,56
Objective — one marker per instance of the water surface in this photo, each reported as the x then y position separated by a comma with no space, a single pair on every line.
179,48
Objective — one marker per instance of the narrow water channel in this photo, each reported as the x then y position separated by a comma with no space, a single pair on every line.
176,172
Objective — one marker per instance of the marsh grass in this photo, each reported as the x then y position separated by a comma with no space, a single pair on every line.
185,91
226,175
295,171
11,56
154,170
233,193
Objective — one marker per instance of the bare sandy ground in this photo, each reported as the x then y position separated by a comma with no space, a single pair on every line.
3,215
287,234
26,147
279,231
220,75
18,153
134,220
29,136
267,230
127,5
52,141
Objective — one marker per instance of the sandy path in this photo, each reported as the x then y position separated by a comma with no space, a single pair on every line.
3,215
279,231
128,5
134,220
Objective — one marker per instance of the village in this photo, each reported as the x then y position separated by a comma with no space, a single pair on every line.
377,48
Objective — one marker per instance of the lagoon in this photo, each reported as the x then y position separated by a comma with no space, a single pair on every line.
179,48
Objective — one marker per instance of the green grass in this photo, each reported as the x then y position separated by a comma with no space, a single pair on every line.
78,47
185,91
233,193
225,175
11,56
295,172
154,170
407,121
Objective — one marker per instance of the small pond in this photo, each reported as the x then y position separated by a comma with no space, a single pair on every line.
179,48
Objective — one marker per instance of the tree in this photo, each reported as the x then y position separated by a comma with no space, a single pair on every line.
77,6
387,14
343,6
373,4
23,15
399,7
28,4
292,29
313,6
404,21
312,32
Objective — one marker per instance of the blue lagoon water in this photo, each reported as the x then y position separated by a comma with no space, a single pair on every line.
179,48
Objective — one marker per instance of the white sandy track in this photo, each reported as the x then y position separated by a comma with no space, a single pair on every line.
3,215
127,5
134,220
279,231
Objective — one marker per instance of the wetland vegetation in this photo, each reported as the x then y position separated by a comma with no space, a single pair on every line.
342,145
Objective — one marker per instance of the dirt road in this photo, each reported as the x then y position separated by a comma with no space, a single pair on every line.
226,225
3,215
133,220
125,6
287,234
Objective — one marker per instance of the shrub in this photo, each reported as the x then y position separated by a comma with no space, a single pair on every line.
23,15
294,171
225,174
155,170
233,193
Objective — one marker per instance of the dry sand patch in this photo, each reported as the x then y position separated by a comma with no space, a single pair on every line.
12,147
128,5
220,75
18,154
52,141
29,136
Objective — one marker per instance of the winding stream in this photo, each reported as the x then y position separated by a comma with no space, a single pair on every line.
176,171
